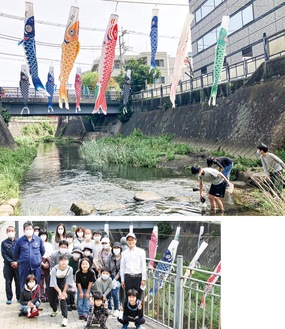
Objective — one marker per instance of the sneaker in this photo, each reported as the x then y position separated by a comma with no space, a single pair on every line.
64,322
125,326
74,307
69,308
21,314
81,317
138,326
40,308
9,301
116,313
103,326
54,313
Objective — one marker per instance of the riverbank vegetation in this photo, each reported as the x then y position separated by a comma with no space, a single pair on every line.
13,166
136,150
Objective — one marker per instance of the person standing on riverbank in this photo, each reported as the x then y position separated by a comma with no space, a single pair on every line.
10,269
218,185
28,253
273,167
133,266
225,165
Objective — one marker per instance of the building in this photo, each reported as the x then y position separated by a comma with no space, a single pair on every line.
163,62
251,23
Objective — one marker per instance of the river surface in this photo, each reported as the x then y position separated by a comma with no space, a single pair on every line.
58,177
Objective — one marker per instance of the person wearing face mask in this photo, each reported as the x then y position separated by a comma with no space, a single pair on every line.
45,266
62,250
88,239
103,253
79,237
30,297
218,185
60,234
76,256
103,284
87,252
69,238
37,230
96,247
10,268
113,263
28,253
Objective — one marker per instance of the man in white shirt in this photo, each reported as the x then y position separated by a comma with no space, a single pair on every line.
133,266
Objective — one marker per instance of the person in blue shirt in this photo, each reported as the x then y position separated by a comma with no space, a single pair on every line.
28,253
10,268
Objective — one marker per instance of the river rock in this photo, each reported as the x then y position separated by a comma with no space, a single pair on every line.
13,202
81,208
6,210
56,212
239,184
109,206
147,196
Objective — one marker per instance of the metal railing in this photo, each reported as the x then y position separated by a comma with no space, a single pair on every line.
177,303
240,70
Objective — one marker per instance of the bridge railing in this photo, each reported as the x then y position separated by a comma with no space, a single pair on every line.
240,70
177,303
15,93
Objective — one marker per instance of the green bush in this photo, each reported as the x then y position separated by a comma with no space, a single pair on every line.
164,230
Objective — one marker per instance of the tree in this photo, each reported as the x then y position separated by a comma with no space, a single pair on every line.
90,80
139,76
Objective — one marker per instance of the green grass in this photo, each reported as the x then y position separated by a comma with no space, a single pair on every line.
136,150
38,131
13,166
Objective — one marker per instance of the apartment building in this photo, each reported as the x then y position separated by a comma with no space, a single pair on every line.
251,21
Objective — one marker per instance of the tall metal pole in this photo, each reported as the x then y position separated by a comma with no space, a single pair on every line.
178,303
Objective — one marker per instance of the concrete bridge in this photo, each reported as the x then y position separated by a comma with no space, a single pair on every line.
13,102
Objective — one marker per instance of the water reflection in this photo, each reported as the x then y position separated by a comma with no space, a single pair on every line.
58,177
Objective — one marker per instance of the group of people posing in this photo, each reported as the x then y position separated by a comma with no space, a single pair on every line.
75,271
220,178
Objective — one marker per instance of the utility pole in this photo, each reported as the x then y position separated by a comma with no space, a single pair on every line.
122,49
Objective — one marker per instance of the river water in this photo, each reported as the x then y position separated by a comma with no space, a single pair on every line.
58,177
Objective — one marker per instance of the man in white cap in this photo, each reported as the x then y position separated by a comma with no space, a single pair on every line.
133,266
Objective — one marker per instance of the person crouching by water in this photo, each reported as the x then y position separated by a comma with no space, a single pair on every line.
61,276
132,310
98,311
30,297
218,186
224,164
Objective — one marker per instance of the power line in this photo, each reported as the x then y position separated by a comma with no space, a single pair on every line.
148,3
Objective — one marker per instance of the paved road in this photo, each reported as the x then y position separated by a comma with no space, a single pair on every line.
9,313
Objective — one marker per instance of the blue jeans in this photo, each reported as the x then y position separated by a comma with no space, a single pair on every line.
24,308
115,295
83,304
227,170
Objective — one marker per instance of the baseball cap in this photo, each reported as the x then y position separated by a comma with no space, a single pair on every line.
131,235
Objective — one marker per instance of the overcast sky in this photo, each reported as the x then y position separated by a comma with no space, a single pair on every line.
92,14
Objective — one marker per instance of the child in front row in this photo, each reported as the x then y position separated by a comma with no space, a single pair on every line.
98,312
30,297
132,311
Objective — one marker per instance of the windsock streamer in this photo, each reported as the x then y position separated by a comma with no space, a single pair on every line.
153,244
219,58
180,56
78,89
194,260
50,87
126,91
29,45
106,64
162,270
153,37
212,280
70,49
24,87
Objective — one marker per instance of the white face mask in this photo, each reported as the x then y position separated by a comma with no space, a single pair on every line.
69,240
11,235
106,246
63,251
76,256
60,231
36,233
80,234
105,276
116,251
43,237
96,238
31,284
88,236
87,253
29,233
258,152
